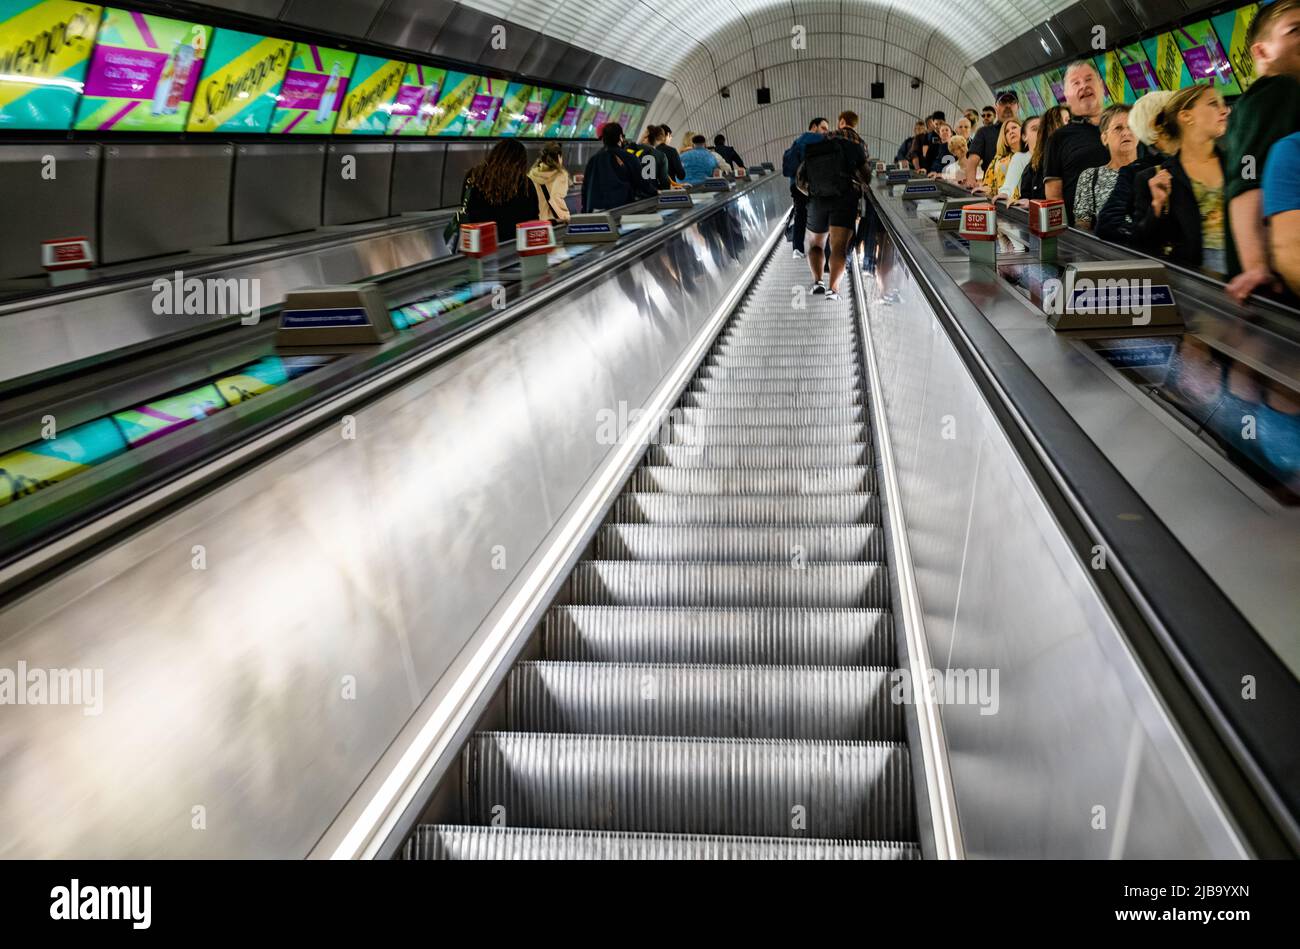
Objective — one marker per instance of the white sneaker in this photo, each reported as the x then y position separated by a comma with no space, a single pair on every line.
832,295
819,288
798,254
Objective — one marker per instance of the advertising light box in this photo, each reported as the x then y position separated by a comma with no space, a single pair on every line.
593,116
1204,58
1231,29
45,48
241,83
143,73
561,116
1114,78
313,90
521,110
453,105
413,109
1141,76
481,114
1167,60
368,106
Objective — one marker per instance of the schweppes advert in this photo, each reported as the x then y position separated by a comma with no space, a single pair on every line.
45,47
240,84
368,105
1232,29
449,112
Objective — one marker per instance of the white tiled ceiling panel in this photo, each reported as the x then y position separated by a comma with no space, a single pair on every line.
700,46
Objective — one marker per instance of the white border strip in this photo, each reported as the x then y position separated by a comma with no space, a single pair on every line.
397,791
934,749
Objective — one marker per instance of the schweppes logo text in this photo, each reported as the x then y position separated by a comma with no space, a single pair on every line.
220,92
34,53
358,108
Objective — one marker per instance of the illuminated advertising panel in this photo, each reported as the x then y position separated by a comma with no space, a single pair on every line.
1231,29
1114,78
450,110
522,110
368,106
413,109
561,116
143,73
45,48
241,83
592,118
153,420
1055,79
313,90
480,116
1205,59
44,463
1167,60
1141,76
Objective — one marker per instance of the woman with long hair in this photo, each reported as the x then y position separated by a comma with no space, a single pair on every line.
498,190
1031,178
1010,190
1180,212
1008,145
551,180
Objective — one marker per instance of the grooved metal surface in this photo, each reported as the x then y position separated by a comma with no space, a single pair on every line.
721,662
451,842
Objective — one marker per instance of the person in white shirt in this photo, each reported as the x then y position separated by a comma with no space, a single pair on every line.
1010,190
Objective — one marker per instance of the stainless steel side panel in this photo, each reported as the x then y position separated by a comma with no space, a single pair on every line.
1072,755
358,179
276,190
260,648
39,207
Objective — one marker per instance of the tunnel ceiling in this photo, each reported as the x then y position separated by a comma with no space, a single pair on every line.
703,46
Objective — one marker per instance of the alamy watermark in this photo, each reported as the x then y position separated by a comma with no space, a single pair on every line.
179,295
1114,297
949,687
25,685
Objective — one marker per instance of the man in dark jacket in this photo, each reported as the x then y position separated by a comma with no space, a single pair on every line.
818,129
729,154
675,169
611,178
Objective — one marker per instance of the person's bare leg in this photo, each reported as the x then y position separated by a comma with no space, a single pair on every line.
840,237
816,255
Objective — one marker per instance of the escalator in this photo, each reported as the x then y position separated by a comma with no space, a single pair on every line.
714,679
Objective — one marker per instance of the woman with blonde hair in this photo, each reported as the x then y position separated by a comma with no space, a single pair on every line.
1115,219
1180,211
551,181
958,146
1008,145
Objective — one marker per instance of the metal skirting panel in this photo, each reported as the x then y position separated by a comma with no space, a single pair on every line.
417,177
358,179
340,579
1067,753
164,199
276,190
461,157
48,192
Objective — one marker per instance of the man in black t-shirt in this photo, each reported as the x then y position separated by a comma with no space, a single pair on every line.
833,175
1076,147
983,148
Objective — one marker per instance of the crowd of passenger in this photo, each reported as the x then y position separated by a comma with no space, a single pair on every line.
1178,175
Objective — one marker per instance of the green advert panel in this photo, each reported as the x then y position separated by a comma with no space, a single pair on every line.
313,90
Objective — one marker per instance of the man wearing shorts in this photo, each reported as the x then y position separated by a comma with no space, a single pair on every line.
833,175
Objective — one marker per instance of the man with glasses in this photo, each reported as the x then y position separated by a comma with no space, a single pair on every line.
984,147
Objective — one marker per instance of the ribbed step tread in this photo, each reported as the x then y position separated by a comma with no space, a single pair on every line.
743,511
825,703
752,481
859,790
459,842
758,456
756,434
827,543
773,400
803,637
641,583
848,370
777,361
792,384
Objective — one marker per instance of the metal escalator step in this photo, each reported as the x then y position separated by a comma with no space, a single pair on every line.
840,543
765,346
758,456
726,361
839,415
752,481
768,434
792,384
824,703
804,637
799,332
860,790
846,371
772,400
745,511
460,842
643,583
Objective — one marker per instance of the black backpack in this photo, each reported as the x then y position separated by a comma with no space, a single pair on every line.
826,168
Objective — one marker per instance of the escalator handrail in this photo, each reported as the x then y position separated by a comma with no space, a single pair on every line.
1194,643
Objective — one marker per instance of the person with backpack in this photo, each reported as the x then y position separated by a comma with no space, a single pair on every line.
675,170
610,179
790,162
649,167
834,174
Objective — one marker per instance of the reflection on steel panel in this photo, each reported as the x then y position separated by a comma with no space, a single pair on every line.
164,199
48,209
417,176
358,191
461,157
277,190
339,581
413,24
348,17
